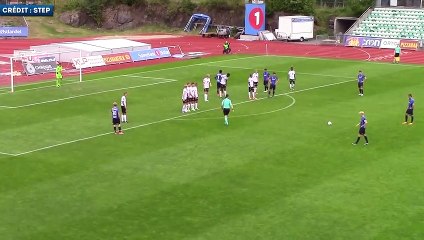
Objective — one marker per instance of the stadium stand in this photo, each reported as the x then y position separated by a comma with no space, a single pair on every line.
393,23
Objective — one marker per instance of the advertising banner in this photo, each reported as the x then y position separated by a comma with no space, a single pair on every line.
39,68
26,10
371,42
116,58
356,41
353,41
409,44
254,19
389,43
86,62
38,59
154,53
303,19
13,32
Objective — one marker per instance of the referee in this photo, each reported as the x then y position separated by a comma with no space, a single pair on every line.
397,54
226,106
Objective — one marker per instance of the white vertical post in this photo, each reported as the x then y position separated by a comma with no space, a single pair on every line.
12,88
80,70
266,49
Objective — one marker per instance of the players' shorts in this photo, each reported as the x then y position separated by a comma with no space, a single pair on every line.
124,110
397,55
184,100
223,87
226,111
116,121
410,111
205,90
362,131
255,84
360,84
292,81
196,99
272,87
265,83
251,89
218,86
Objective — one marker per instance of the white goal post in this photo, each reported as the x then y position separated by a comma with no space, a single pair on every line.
32,63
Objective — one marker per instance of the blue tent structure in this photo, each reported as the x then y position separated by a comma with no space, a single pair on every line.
198,17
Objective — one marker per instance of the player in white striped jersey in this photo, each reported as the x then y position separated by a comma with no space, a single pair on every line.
192,96
184,98
251,85
206,86
223,85
255,77
196,96
291,75
124,108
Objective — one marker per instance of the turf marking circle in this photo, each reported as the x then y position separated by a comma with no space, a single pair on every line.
293,101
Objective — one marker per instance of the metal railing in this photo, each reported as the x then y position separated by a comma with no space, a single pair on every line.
359,20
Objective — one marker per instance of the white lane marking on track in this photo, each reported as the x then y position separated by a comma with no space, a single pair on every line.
85,95
364,51
166,120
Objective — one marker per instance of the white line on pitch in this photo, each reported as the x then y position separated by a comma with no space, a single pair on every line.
348,60
299,73
87,94
169,119
8,154
54,83
121,75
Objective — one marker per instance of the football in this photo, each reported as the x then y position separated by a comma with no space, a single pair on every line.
329,123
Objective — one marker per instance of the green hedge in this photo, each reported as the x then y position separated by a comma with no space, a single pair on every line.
305,7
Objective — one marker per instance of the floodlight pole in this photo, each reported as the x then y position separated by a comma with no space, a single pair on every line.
80,70
12,88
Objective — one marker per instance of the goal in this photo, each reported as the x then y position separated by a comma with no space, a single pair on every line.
24,66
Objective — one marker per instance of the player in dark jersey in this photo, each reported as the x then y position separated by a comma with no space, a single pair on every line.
410,110
116,119
272,84
218,81
362,126
361,79
266,79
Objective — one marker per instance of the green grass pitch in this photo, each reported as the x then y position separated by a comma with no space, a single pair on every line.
276,172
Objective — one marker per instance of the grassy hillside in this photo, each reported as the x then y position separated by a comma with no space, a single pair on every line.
41,27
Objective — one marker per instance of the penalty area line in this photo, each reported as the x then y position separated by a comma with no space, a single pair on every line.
117,76
85,95
166,120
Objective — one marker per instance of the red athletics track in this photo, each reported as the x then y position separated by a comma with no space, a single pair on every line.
212,46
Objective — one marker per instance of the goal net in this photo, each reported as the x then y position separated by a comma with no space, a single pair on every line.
30,66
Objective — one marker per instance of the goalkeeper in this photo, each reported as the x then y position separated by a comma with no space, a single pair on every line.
59,74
